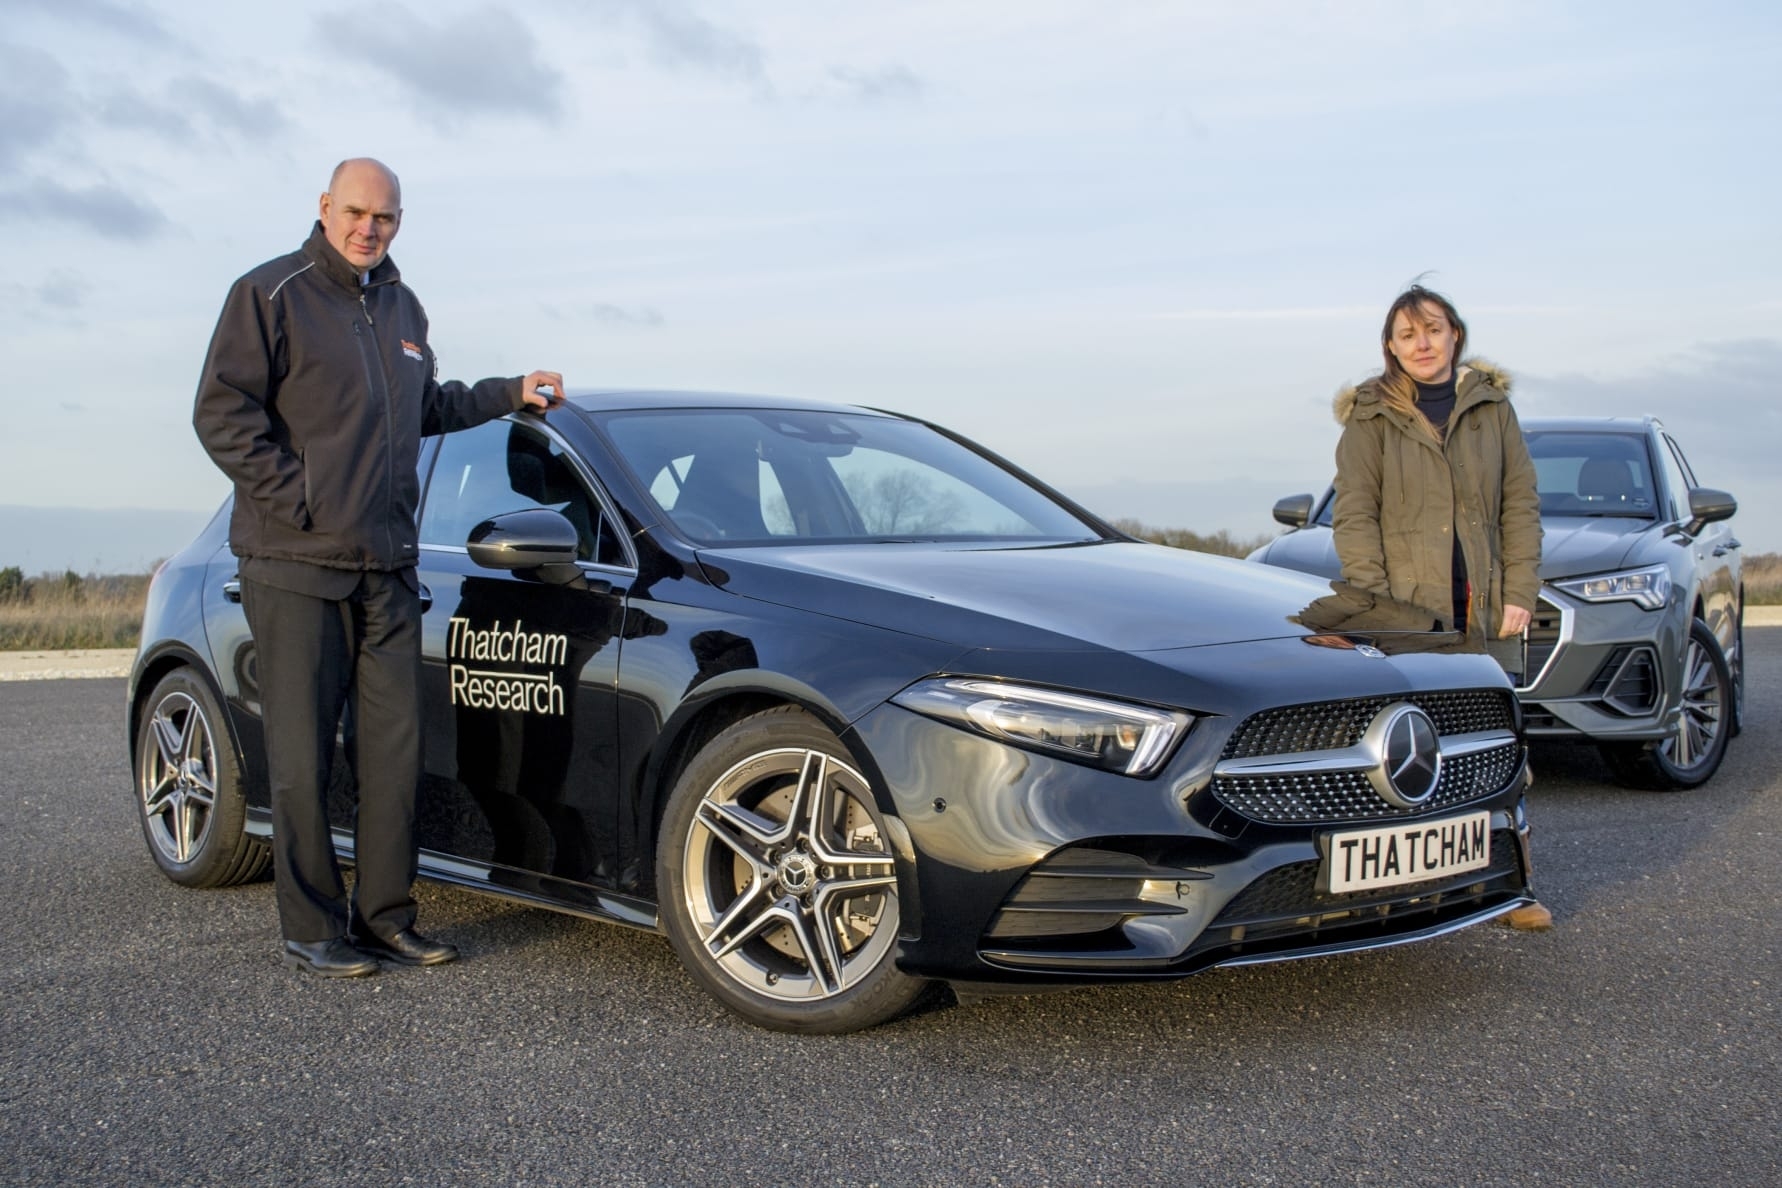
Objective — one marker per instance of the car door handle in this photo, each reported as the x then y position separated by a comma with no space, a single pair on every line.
232,591
1724,549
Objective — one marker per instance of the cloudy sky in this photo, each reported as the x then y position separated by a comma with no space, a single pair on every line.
1134,246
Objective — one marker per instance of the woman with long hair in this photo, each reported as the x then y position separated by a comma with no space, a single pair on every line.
1435,494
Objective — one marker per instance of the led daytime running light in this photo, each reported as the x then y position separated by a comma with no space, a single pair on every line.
1130,739
1648,588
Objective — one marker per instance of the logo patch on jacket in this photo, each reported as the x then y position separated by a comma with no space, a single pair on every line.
412,351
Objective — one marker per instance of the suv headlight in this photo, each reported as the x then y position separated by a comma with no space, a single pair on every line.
1131,739
1648,588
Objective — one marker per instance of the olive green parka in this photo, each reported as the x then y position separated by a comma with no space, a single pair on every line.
1400,495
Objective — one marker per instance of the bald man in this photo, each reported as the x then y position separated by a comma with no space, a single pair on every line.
317,390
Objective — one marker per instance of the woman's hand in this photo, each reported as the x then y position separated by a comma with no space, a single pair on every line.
1515,621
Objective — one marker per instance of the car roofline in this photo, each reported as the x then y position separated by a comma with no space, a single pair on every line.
596,400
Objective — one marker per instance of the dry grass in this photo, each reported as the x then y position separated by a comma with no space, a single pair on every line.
1763,579
66,611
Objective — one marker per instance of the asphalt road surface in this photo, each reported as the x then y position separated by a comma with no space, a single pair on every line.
150,1035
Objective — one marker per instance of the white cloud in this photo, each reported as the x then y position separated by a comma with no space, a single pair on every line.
104,209
481,62
679,36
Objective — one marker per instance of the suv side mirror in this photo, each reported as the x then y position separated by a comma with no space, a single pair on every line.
1706,506
1294,510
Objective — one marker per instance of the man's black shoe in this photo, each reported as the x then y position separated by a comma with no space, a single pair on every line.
333,958
407,947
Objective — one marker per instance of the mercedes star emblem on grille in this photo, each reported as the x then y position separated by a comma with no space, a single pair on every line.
1410,755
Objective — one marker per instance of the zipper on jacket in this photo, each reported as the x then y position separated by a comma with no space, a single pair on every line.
366,308
389,426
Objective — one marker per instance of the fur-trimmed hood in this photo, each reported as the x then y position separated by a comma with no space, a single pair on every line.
1473,373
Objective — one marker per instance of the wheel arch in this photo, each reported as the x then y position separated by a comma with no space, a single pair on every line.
151,672
708,712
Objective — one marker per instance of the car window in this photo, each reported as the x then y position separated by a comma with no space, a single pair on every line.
776,514
1326,509
505,466
1680,477
1592,474
760,475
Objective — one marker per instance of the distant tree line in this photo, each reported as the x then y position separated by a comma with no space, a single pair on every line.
68,587
1221,542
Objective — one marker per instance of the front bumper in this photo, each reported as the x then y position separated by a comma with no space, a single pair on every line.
1021,869
1603,671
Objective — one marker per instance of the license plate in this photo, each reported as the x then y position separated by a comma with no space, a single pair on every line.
1364,859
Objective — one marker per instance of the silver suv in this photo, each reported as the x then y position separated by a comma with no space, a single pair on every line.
1636,642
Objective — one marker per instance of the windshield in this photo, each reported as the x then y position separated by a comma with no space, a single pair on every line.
1593,474
762,476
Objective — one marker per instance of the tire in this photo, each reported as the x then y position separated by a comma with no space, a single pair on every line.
1737,665
778,886
188,789
1692,754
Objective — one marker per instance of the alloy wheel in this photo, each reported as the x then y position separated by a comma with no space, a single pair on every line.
177,778
790,886
1703,712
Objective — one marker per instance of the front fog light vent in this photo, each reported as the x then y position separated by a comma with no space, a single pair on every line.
1628,681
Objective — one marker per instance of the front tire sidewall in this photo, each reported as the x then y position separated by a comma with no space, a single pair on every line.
1737,665
882,993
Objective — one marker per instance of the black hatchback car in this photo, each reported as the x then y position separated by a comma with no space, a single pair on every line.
1637,642
850,708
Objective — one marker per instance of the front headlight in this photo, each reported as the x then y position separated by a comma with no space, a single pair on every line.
1648,588
1131,739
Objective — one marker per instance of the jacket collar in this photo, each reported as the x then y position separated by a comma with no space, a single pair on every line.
334,266
1476,381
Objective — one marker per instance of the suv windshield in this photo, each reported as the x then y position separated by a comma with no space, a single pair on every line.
1593,474
759,476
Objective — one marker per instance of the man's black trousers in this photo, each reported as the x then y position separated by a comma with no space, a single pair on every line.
317,656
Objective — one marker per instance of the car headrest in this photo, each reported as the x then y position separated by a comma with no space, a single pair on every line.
1606,479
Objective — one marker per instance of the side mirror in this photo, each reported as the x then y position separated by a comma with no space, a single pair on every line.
535,538
1294,510
1706,506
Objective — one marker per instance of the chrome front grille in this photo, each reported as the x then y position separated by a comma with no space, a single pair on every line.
1348,796
1327,725
1304,764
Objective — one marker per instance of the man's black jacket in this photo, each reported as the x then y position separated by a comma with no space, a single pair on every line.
314,398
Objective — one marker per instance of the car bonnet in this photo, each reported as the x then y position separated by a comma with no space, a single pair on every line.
1572,546
1119,595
